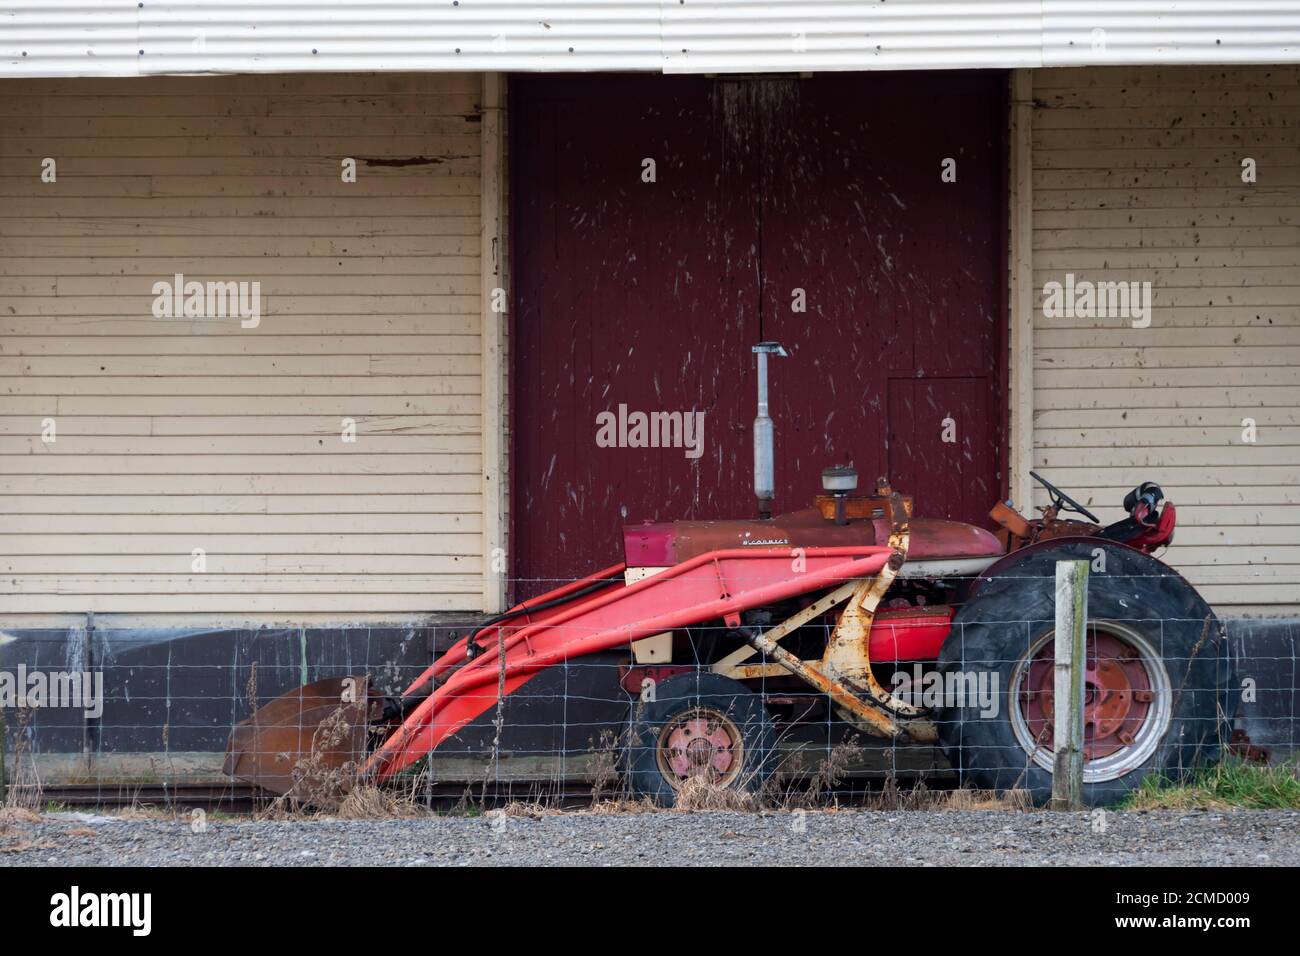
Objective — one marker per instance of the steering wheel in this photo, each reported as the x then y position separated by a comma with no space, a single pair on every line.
1061,501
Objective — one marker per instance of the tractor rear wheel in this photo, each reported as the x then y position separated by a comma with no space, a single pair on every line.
699,729
1156,681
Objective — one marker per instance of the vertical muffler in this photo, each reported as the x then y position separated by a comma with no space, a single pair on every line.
765,434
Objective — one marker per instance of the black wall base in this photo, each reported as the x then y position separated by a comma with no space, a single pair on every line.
170,696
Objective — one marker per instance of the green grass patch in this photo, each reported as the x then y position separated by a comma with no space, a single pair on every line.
1232,785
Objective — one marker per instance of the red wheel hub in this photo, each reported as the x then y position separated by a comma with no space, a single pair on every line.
700,744
1117,695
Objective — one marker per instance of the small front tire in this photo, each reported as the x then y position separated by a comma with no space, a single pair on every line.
699,728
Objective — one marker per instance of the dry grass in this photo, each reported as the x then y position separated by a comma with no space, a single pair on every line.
325,791
698,794
966,799
316,782
23,793
604,766
11,815
623,805
804,791
24,790
145,811
789,788
528,810
368,802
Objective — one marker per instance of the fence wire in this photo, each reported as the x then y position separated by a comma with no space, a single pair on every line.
156,712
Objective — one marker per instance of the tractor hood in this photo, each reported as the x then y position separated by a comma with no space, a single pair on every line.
663,544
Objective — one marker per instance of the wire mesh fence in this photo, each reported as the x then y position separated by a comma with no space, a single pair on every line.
941,696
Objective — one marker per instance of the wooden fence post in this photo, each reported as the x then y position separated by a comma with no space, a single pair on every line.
1067,704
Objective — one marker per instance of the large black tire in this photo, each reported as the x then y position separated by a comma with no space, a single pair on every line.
1137,600
699,698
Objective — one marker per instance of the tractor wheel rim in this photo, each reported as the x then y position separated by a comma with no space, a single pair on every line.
1127,701
701,743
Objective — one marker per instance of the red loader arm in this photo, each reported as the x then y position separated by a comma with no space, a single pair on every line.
720,584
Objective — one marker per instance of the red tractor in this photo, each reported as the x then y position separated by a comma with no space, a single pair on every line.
714,640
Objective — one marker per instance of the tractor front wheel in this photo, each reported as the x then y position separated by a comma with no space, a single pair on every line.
698,729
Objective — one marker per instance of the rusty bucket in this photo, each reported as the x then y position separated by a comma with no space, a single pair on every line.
307,744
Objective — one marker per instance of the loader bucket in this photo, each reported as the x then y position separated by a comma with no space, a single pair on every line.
306,744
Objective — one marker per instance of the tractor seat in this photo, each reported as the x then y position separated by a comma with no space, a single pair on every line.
1142,535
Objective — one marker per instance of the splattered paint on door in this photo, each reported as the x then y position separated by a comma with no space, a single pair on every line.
663,225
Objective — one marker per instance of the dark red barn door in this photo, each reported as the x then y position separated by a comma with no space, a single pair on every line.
810,211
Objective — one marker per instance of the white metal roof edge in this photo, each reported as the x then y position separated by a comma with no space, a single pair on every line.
56,38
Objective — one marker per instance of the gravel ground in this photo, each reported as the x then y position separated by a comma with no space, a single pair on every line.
846,837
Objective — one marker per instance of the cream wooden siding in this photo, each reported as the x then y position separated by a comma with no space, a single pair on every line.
1137,176
175,435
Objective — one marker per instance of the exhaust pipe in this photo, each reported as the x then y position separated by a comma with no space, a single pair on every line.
765,434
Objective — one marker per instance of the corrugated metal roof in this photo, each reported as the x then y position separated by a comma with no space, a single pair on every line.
130,37
1089,32
747,35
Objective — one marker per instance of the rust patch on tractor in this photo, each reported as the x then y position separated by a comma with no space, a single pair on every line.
848,653
844,673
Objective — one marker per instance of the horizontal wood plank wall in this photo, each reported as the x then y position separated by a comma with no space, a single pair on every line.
177,435
1137,177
